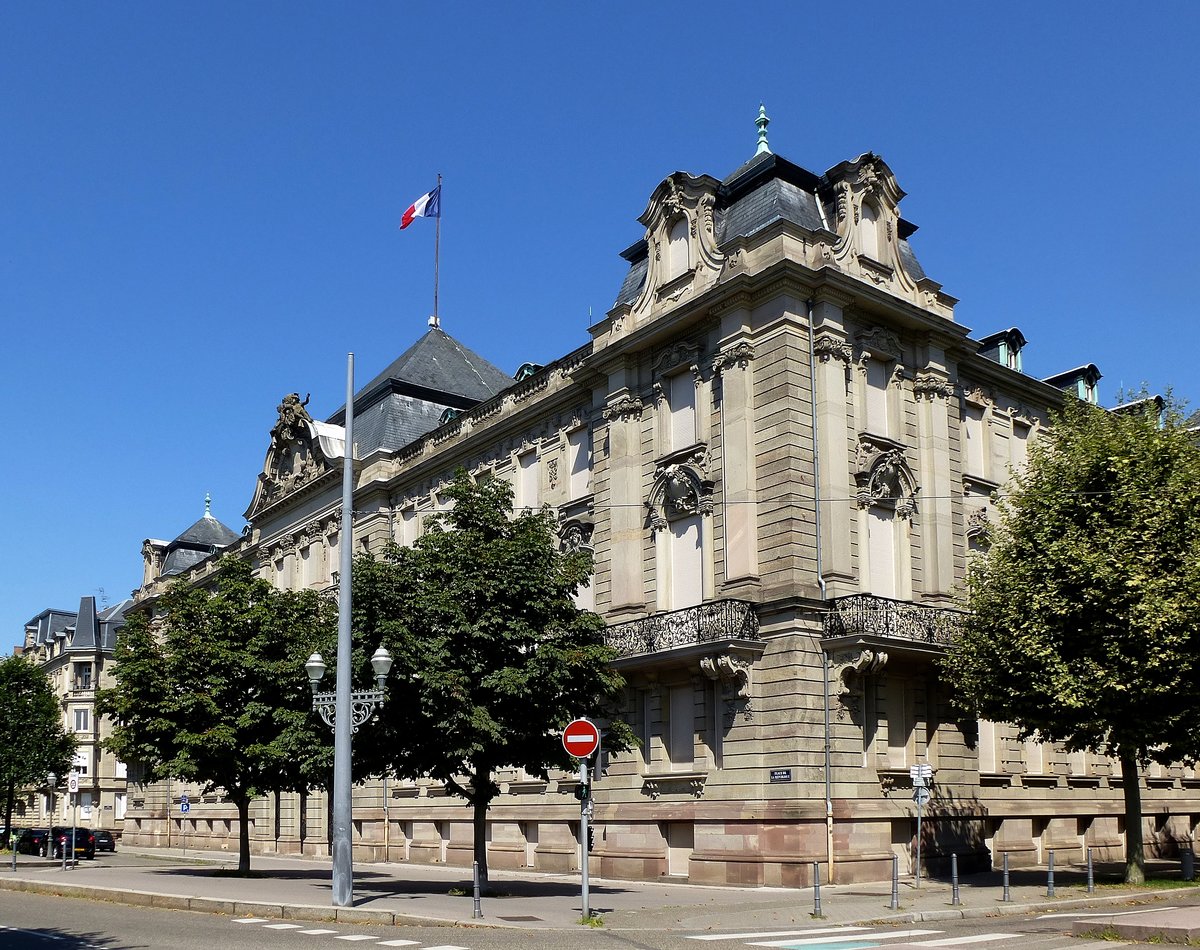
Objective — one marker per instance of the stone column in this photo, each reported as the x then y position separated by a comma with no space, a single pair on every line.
626,512
739,475
832,356
933,390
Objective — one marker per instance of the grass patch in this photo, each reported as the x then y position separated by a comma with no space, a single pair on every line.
457,892
1153,883
1105,933
592,920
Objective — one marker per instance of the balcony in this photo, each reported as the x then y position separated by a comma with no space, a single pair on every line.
690,630
865,615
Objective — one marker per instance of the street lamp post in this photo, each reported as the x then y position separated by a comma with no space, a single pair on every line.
345,710
344,719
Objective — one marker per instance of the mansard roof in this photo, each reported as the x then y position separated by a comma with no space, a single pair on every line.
766,190
47,625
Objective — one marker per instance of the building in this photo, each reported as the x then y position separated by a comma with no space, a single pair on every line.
75,649
782,449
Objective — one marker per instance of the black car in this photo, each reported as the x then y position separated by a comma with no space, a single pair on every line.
31,840
105,841
84,844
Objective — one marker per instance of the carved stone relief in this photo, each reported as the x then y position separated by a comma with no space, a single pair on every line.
681,489
883,476
623,407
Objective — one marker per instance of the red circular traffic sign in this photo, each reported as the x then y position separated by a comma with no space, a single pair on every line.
581,738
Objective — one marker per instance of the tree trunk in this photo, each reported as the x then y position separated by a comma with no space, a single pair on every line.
1135,855
243,807
8,810
480,804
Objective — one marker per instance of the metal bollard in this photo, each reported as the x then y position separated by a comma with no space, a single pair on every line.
476,910
1187,864
1007,894
1050,875
1091,877
895,904
954,879
816,889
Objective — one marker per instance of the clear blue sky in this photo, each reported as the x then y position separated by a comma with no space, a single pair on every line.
200,202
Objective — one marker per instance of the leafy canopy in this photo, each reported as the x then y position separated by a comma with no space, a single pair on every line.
33,741
492,655
1085,613
212,688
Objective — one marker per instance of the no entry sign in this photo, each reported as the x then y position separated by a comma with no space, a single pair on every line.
581,738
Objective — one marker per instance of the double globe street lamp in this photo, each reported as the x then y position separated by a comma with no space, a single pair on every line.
363,702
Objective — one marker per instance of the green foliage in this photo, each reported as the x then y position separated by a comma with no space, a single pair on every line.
212,688
492,655
33,741
1083,625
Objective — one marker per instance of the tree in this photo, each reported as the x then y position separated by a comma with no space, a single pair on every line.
492,655
1084,616
33,741
211,688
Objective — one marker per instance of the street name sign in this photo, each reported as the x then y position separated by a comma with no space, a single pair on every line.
581,738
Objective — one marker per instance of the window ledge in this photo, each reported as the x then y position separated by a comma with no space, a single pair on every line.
655,784
996,779
1085,781
1160,781
1039,780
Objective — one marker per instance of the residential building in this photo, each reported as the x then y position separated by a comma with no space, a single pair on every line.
75,649
783,450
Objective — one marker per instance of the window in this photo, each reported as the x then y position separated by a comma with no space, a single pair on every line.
878,418
868,232
686,567
82,761
579,450
881,551
681,404
973,451
987,746
681,727
83,720
677,252
527,480
85,805
83,676
1019,446
120,769
408,527
119,806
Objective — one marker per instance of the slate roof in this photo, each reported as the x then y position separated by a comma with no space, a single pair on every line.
87,627
49,624
205,537
766,189
408,398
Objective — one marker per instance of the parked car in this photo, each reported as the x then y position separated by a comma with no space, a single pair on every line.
32,841
105,841
84,844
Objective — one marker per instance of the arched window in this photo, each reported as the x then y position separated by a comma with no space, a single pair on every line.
677,249
868,232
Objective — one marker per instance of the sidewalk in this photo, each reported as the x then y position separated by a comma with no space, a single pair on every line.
424,895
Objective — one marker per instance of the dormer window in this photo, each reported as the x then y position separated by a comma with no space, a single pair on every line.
678,260
868,232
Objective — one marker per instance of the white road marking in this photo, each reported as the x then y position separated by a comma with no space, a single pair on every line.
250,920
283,926
778,933
893,935
316,932
398,943
357,937
972,938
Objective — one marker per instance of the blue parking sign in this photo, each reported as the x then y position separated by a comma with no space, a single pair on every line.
184,805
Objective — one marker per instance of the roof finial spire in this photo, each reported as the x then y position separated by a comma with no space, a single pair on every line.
207,505
762,122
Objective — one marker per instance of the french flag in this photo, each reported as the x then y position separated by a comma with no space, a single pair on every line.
427,206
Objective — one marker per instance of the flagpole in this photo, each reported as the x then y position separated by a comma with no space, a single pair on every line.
437,241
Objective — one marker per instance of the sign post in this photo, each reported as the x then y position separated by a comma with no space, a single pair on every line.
581,739
73,789
922,777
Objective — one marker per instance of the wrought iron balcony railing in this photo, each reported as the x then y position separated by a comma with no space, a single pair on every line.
704,623
861,614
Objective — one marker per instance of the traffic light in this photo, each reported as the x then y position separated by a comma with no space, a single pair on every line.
583,792
591,838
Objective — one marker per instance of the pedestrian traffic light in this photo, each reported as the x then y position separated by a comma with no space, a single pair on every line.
583,792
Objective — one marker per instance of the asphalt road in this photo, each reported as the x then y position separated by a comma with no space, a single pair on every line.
29,921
